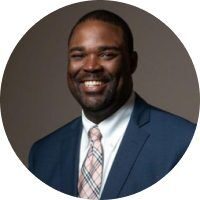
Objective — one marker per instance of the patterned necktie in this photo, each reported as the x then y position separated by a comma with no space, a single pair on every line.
91,172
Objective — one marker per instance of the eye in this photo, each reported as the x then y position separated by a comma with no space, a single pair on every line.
77,56
108,55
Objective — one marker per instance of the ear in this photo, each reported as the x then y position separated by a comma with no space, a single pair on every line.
134,61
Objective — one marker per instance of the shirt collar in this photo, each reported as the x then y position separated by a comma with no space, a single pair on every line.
114,125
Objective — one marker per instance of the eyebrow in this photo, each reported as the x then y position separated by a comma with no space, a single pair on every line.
101,48
104,48
76,49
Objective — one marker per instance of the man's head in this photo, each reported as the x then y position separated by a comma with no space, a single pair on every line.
101,61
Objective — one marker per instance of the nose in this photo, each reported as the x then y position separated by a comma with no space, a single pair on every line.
92,64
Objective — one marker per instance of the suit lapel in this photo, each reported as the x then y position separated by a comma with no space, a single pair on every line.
70,159
131,146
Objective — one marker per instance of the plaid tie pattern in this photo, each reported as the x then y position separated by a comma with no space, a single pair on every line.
91,172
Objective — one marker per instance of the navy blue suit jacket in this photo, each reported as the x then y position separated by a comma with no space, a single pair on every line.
153,143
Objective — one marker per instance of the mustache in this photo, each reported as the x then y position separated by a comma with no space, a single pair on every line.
104,77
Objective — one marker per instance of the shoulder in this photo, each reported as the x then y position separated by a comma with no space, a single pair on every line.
47,149
167,120
168,132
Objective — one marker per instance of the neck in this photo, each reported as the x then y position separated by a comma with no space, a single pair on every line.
98,116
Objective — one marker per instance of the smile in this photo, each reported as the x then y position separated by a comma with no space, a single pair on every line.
92,83
93,86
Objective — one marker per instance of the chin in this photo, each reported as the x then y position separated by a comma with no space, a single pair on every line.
94,106
95,102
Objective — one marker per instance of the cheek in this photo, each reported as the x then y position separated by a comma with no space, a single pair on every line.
71,72
69,77
123,77
73,68
114,68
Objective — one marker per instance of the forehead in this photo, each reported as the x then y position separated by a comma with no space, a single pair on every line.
96,32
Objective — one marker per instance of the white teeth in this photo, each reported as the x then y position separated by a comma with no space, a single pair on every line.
92,83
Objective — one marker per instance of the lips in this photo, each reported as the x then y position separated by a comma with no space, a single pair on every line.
92,86
92,83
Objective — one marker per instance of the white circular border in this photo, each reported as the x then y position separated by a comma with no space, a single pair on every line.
17,17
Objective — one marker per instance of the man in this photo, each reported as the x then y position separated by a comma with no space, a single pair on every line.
120,145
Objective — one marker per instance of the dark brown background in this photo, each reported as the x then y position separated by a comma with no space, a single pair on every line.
35,99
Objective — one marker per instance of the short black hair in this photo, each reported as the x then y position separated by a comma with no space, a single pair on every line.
109,17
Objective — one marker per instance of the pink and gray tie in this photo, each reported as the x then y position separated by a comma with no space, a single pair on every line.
90,179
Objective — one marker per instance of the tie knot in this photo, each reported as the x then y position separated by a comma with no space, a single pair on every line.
95,134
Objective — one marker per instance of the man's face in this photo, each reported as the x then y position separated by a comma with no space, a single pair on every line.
99,66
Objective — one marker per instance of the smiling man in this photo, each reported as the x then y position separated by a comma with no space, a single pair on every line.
100,68
120,145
